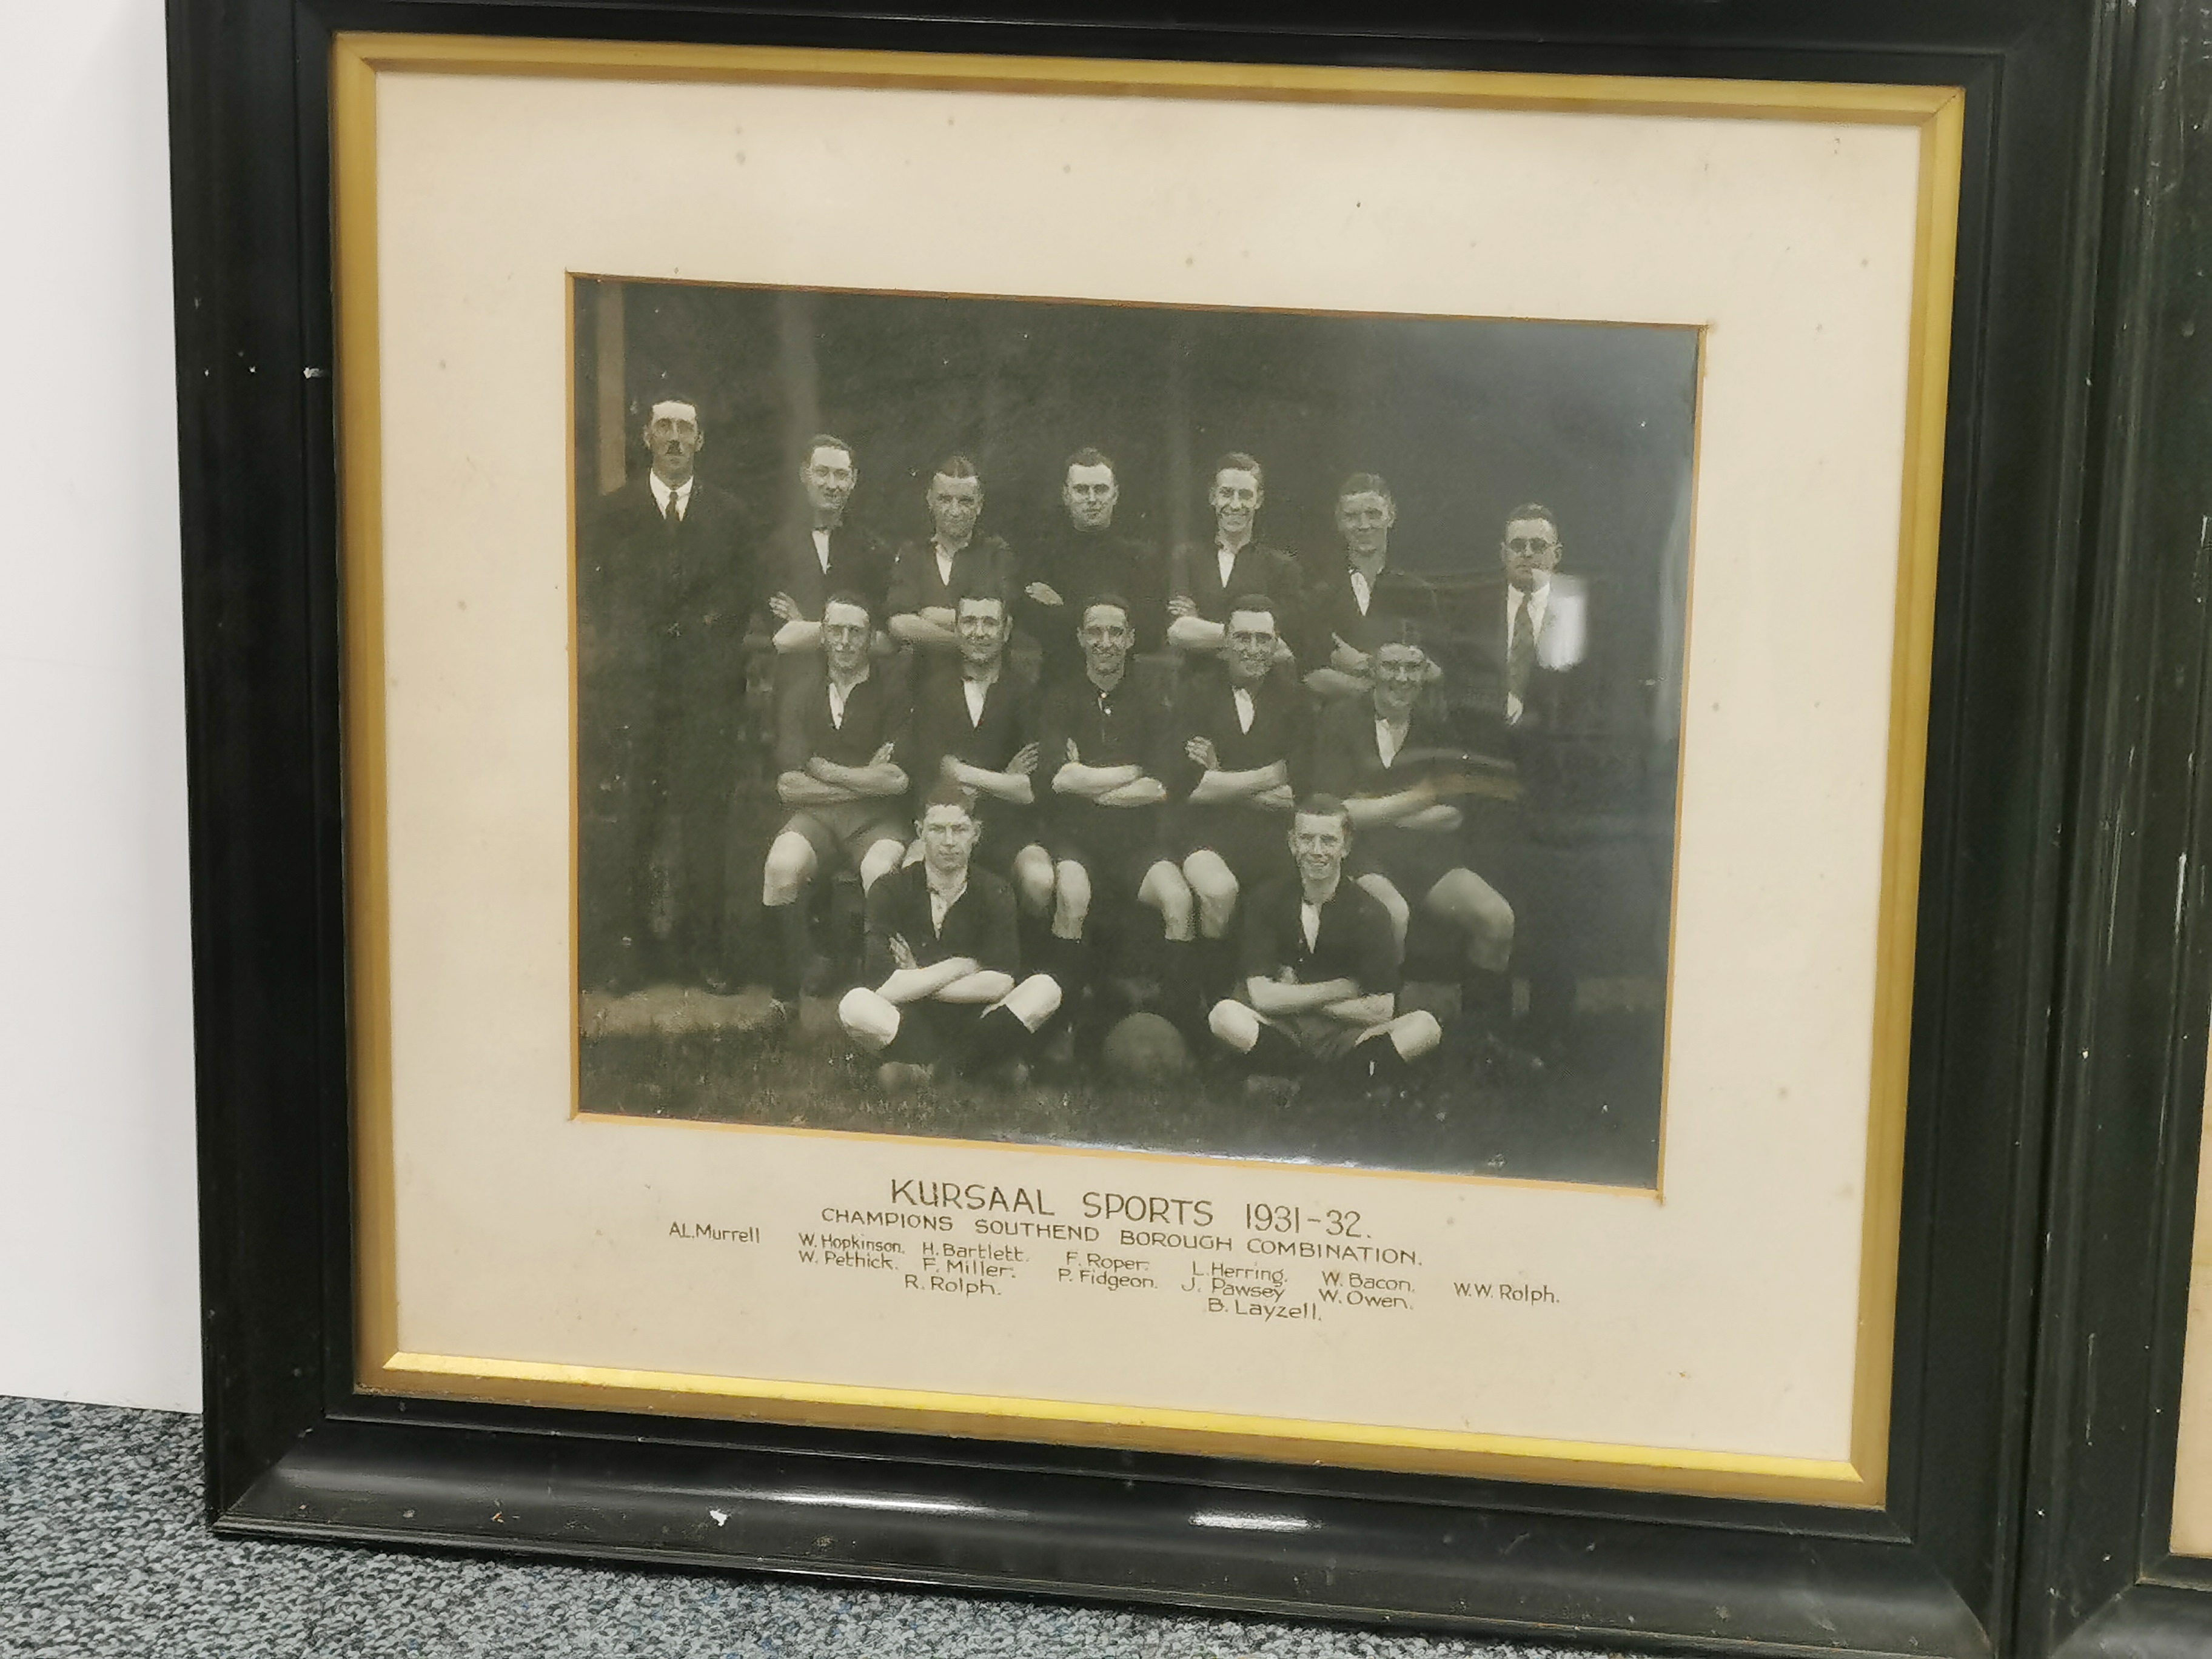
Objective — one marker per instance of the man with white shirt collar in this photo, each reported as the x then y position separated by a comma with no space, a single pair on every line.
1541,629
818,553
837,747
975,724
1318,969
1537,683
1350,613
1390,761
942,991
1203,580
1245,739
958,556
664,591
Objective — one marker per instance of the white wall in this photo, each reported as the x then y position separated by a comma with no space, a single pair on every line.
98,1279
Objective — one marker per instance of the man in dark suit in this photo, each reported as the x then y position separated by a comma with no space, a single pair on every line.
816,554
1351,609
1533,641
1533,630
1203,580
1081,558
663,588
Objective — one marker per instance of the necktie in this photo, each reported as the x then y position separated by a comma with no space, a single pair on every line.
1521,653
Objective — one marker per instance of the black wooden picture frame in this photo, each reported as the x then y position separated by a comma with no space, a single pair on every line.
294,1450
2099,1576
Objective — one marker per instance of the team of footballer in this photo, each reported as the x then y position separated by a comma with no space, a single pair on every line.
1255,842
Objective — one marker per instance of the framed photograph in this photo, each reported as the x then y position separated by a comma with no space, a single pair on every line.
1269,818
2119,1548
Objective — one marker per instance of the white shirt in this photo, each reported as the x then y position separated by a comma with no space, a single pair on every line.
1387,741
837,700
944,566
1227,561
662,493
822,549
1363,591
976,690
1244,702
940,903
1310,922
1536,602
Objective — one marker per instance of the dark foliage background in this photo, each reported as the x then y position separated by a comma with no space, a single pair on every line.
1465,417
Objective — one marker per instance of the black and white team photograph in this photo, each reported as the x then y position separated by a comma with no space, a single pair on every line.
1234,734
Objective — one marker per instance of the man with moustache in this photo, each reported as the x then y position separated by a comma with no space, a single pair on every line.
975,725
1244,739
944,995
1084,556
1205,579
837,745
1104,734
664,589
957,557
815,555
1318,971
1349,612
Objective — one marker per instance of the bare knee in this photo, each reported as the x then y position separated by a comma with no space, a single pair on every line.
1034,1001
1215,891
790,866
1071,892
1415,1034
1478,910
1234,1023
1165,891
1033,878
870,1019
879,861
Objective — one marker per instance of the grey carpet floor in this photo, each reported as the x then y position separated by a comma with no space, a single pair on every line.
103,1556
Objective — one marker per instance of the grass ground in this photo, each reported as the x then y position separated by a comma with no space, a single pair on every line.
1592,1114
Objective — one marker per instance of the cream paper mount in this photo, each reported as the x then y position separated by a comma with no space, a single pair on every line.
1728,1331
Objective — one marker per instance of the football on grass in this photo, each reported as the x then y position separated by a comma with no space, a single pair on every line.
1145,1048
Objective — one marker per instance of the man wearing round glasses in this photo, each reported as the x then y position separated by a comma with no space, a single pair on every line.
1544,628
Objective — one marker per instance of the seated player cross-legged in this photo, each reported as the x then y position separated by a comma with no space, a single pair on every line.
836,746
1245,741
942,962
1377,754
1106,732
975,725
1320,969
